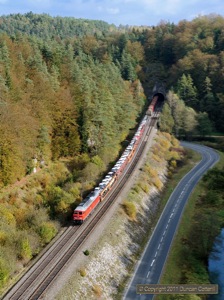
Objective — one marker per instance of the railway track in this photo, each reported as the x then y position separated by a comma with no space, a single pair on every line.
38,278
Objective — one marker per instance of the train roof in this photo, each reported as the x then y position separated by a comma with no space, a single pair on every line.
95,193
88,200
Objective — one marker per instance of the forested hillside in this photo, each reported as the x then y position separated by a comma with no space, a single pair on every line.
61,99
71,93
47,27
189,58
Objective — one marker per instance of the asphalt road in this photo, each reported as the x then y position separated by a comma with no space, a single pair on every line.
150,266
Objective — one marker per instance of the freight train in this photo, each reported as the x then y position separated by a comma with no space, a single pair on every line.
152,106
84,209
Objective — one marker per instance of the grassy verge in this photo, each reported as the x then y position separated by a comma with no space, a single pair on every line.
177,265
185,166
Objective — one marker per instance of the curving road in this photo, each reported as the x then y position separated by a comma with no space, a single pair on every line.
151,264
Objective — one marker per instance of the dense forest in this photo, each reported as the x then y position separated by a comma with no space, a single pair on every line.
71,94
46,27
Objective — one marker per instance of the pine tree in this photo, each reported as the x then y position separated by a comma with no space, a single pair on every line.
187,91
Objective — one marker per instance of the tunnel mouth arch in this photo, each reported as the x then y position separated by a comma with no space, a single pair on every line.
160,95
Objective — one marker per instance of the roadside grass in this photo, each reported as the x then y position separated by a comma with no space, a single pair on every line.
191,159
176,262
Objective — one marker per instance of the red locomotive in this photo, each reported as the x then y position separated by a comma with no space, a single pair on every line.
152,106
84,209
86,206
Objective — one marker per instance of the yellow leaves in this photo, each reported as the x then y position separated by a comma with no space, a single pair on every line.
156,158
175,142
47,231
144,186
82,272
173,155
136,50
89,43
62,207
97,290
97,161
25,251
158,183
6,216
150,171
20,216
165,144
75,190
173,164
3,237
4,271
130,209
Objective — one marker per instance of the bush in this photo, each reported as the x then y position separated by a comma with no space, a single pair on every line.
47,231
86,252
137,188
130,209
173,164
25,251
158,183
97,161
97,290
144,186
3,237
82,272
4,272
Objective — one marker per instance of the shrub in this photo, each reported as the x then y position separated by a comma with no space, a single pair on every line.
173,164
4,272
97,161
45,180
137,188
47,231
169,174
144,186
130,209
86,252
97,290
25,251
156,158
3,237
133,196
75,189
158,183
82,272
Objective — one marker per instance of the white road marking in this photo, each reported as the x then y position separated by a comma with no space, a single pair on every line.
152,262
148,274
166,226
156,253
159,246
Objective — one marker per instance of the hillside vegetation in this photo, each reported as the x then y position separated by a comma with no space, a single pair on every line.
71,94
